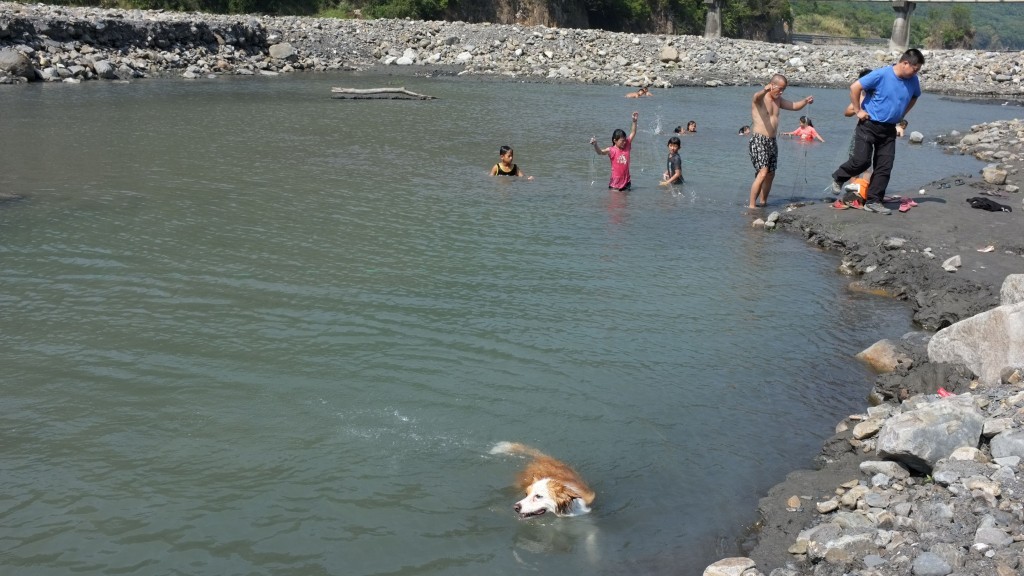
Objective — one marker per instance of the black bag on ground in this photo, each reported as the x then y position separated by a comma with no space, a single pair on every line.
986,204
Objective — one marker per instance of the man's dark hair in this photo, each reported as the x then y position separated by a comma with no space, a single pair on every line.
913,57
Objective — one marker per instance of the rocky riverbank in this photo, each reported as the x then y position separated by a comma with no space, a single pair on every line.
70,44
928,481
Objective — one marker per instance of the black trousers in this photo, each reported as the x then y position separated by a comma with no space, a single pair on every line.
874,144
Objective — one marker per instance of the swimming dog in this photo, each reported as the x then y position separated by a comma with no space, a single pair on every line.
550,485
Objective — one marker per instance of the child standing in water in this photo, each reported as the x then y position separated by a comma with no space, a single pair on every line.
505,166
674,165
618,153
806,131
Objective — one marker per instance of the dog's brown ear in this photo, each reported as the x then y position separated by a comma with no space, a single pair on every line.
563,495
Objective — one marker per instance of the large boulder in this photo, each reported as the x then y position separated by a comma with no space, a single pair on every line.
668,54
104,69
283,51
994,175
931,430
884,356
736,566
1010,443
1012,291
986,343
16,64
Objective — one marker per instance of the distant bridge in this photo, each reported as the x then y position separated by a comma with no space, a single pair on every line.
899,40
828,39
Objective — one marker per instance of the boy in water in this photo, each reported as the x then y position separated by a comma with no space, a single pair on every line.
674,166
618,153
505,166
764,149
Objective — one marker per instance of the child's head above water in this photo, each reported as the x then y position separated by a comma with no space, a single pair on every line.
674,143
619,135
505,153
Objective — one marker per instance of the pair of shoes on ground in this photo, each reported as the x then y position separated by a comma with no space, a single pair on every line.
877,208
906,204
843,205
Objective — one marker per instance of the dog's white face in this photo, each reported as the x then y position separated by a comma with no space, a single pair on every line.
547,495
538,500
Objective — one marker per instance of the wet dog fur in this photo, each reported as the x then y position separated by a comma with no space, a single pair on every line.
550,485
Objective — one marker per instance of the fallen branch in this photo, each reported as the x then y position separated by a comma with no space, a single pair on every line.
377,93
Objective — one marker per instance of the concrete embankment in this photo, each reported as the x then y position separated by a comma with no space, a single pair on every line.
55,43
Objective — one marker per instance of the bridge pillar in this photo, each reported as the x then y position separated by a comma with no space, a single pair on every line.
713,24
900,39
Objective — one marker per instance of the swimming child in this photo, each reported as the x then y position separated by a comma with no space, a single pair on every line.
674,166
691,128
744,130
643,92
618,153
806,130
505,166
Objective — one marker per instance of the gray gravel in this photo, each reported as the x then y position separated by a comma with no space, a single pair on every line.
73,44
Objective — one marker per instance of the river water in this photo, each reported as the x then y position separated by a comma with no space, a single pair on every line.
249,329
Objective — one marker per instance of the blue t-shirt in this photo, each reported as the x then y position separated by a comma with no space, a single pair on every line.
890,94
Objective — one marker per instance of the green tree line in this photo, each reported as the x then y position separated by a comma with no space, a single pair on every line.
941,25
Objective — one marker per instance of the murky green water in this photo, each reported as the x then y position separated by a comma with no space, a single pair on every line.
248,329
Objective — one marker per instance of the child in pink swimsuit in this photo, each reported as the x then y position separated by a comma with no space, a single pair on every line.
806,131
618,153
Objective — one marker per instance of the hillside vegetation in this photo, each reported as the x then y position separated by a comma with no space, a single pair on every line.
997,26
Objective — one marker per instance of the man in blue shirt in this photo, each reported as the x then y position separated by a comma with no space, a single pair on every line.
891,93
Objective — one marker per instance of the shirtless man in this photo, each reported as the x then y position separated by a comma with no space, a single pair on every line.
764,150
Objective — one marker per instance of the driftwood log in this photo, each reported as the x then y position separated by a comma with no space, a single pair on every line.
377,94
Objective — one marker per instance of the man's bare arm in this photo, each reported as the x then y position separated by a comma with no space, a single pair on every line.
856,93
798,105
